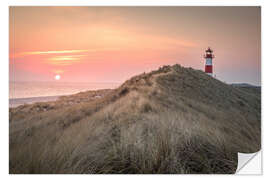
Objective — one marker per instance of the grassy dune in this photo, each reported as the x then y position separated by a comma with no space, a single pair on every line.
173,120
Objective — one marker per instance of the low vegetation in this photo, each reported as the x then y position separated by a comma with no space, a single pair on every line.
172,120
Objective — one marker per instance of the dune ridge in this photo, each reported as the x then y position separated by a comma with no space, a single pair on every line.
172,120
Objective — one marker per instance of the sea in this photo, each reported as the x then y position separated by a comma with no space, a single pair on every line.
30,92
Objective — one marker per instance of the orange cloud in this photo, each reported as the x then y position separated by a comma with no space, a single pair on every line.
54,52
65,60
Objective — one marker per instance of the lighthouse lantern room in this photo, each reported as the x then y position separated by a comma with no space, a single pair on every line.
208,61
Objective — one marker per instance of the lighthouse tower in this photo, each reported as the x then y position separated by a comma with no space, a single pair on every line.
208,61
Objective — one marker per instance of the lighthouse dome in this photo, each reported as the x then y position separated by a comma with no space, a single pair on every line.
209,50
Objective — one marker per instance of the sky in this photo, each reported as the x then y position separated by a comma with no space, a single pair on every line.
112,44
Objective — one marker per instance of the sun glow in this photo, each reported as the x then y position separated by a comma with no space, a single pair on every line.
57,77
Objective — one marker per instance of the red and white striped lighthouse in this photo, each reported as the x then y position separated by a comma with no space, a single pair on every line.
208,61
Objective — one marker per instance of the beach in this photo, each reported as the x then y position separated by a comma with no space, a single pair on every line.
15,102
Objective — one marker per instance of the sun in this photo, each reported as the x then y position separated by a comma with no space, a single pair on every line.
57,77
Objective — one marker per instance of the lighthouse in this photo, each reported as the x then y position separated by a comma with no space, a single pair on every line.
208,61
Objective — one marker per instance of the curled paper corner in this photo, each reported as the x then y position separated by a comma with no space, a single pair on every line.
249,163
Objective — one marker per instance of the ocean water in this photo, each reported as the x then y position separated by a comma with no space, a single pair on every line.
30,92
